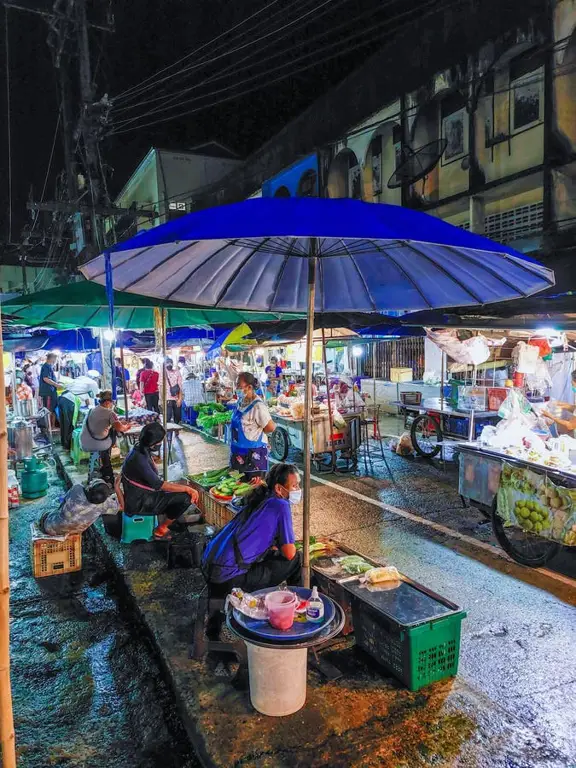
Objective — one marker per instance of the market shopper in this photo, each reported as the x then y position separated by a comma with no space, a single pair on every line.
80,508
48,384
149,385
99,432
121,374
174,391
256,549
143,492
251,422
81,391
273,378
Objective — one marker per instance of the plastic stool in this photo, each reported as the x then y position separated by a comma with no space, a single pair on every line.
138,528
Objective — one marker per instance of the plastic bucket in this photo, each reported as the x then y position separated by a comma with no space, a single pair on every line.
277,679
281,606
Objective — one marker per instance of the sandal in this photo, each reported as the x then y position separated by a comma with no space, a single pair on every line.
167,536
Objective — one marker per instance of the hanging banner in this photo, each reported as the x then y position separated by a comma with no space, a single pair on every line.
531,501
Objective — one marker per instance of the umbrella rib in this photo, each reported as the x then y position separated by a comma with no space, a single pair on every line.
360,275
90,317
134,255
160,264
231,278
441,269
281,271
403,271
198,266
49,315
132,311
493,272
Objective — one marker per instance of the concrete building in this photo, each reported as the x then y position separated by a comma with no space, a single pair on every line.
168,183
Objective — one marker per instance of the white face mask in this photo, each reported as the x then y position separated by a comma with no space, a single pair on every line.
295,497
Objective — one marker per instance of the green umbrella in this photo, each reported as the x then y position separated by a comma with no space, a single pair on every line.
85,305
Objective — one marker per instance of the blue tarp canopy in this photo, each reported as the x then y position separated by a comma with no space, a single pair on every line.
371,257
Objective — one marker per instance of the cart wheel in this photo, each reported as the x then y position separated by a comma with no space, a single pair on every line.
279,444
426,436
523,547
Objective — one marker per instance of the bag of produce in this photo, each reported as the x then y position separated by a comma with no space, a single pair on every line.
385,573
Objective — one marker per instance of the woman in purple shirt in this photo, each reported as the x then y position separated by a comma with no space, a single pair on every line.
256,549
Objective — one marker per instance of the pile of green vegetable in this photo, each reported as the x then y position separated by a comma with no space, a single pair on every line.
209,479
210,415
222,482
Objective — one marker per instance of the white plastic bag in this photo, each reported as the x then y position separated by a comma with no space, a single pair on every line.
175,472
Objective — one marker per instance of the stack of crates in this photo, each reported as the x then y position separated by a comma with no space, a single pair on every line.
53,556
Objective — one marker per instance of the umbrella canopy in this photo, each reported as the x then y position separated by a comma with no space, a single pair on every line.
254,255
85,304
312,254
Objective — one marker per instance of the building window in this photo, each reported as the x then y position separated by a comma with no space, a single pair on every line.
454,128
526,91
307,186
514,224
176,209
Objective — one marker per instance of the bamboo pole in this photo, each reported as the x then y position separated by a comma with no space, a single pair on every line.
7,737
164,397
308,410
124,387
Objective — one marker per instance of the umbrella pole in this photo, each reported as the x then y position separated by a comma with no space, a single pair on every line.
330,426
7,738
308,410
164,398
124,387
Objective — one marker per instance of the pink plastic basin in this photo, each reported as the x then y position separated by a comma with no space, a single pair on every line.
281,606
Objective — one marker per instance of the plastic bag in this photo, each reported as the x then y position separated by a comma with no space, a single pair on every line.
404,446
525,357
175,472
249,605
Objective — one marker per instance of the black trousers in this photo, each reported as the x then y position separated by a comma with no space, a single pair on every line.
152,402
270,572
173,411
66,414
106,470
159,503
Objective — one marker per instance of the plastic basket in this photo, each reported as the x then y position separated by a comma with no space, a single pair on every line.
417,655
411,398
52,557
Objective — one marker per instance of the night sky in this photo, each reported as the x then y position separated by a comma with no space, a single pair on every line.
149,36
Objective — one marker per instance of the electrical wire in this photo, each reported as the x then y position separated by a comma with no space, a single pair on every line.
8,121
152,80
263,61
254,52
266,81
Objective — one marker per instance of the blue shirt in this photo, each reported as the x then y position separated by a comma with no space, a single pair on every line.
268,526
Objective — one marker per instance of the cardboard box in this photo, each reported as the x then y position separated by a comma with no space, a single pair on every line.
399,375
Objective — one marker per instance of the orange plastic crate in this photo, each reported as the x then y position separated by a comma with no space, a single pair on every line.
51,557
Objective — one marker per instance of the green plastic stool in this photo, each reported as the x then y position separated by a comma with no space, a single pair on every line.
138,528
76,452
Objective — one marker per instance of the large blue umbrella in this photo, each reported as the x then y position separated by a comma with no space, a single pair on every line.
313,254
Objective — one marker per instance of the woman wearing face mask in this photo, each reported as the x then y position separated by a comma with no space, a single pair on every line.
565,426
143,492
251,422
174,385
256,549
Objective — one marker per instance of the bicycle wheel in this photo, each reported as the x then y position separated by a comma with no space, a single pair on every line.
426,436
523,547
279,444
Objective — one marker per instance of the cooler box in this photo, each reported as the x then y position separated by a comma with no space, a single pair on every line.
399,375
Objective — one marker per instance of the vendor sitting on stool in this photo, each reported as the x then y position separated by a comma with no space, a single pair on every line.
80,508
251,422
142,490
256,549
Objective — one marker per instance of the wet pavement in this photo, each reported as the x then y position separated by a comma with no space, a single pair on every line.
88,692
509,707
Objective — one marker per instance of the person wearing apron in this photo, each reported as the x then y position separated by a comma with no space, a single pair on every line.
251,422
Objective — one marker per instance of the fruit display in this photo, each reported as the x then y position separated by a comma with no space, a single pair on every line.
532,516
555,498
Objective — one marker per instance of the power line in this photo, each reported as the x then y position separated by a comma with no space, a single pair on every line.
8,120
142,85
167,99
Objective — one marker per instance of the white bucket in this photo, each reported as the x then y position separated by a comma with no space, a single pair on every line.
277,679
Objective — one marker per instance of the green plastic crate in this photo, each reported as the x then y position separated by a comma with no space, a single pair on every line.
417,655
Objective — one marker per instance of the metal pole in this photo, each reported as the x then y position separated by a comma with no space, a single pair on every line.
7,738
312,258
164,398
376,424
124,387
442,375
331,425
